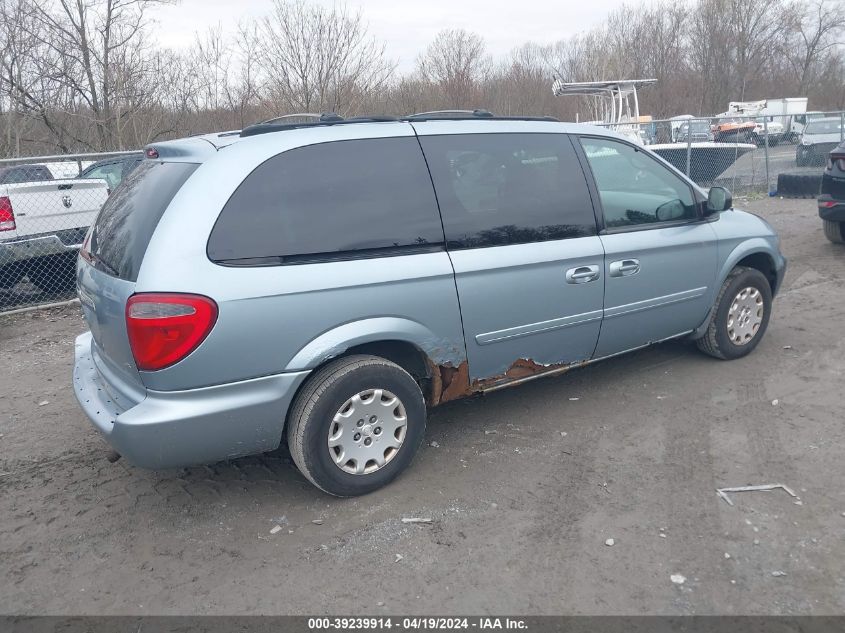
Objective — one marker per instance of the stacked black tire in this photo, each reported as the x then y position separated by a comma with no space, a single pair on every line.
799,185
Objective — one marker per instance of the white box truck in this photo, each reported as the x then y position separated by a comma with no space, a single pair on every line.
789,112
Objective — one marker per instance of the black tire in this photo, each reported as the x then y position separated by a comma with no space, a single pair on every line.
10,275
800,185
716,342
53,275
834,231
314,408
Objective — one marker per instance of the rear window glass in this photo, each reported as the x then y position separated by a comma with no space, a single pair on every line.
127,220
344,198
24,173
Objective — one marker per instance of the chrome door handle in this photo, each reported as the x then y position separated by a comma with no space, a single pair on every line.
624,267
582,274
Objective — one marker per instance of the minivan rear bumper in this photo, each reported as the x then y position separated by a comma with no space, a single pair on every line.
167,429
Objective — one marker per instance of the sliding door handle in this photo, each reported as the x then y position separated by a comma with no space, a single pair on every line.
624,268
582,274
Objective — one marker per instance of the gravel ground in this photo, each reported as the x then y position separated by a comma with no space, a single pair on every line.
524,488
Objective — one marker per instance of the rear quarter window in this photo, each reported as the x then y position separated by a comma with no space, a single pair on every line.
126,222
343,199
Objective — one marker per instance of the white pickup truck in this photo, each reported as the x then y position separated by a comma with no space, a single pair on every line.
42,225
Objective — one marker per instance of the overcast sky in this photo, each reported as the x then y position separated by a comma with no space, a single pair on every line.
407,27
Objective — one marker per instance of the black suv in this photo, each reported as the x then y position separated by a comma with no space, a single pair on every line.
832,198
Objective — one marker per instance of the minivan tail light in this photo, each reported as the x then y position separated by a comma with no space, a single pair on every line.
7,215
164,328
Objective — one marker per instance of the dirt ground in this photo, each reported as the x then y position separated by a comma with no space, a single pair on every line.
524,487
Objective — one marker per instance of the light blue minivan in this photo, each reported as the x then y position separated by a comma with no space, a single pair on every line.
328,281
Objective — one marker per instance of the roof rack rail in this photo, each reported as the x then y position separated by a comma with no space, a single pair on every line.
329,118
280,124
462,115
448,114
322,116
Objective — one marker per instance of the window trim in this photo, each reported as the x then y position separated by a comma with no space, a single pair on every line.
334,256
605,230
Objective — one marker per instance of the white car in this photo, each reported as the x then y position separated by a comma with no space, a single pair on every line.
820,137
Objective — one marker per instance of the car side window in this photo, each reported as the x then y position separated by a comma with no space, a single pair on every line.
634,188
499,189
111,173
330,200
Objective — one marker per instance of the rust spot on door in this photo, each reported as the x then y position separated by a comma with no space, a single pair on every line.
452,383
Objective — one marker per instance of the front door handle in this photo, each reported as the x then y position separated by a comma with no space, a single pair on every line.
624,267
582,274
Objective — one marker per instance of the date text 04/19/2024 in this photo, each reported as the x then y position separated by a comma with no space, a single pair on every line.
416,623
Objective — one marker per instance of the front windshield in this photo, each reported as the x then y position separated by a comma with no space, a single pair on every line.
824,127
700,126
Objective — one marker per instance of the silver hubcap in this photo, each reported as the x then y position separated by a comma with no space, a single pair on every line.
367,431
745,316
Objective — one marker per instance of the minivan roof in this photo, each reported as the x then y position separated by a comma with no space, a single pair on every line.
202,147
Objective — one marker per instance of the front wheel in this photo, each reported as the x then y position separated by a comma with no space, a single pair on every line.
834,231
356,425
740,316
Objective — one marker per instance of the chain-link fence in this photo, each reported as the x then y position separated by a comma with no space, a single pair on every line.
768,154
47,204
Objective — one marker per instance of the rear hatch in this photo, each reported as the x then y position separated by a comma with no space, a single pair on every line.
55,207
111,258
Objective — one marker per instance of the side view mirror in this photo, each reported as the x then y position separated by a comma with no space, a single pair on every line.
718,199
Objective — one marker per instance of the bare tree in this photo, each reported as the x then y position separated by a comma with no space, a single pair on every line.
93,57
818,27
318,59
455,63
86,74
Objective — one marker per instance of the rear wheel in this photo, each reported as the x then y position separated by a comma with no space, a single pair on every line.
356,425
56,274
10,275
834,231
740,316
